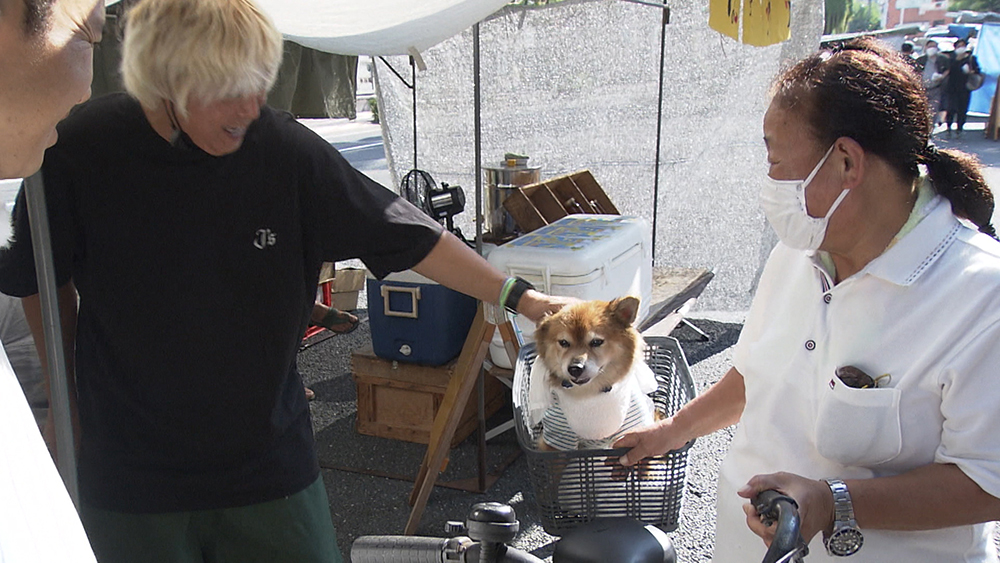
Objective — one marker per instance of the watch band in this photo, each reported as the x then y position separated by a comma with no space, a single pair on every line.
845,538
516,291
843,508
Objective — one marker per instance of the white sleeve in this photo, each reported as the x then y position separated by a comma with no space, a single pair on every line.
38,521
539,397
644,376
970,405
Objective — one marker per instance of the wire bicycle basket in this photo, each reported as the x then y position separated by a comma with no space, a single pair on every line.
574,487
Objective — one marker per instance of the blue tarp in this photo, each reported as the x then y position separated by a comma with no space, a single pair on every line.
988,54
960,31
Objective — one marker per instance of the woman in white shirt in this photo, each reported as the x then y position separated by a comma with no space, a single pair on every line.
877,270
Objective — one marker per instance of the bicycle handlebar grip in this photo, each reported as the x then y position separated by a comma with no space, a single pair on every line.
773,506
398,549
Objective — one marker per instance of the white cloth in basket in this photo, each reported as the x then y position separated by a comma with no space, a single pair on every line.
595,422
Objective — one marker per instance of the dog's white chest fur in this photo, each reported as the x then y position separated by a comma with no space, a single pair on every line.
591,419
598,416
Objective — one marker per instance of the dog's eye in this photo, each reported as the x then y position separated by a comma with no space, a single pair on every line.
564,343
596,342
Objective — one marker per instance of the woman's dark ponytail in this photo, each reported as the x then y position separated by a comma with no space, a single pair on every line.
865,90
956,176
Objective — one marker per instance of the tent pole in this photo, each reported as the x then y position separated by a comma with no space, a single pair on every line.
478,143
413,69
48,294
659,124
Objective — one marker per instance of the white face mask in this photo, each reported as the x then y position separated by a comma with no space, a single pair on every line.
932,51
784,203
959,51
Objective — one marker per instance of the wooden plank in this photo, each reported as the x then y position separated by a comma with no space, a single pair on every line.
468,370
524,213
586,183
365,362
672,288
547,204
570,197
401,408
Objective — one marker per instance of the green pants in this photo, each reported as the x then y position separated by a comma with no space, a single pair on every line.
296,529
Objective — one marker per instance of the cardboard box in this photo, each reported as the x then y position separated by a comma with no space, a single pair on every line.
537,205
345,287
399,401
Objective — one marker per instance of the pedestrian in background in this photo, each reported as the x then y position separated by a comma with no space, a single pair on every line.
933,68
961,64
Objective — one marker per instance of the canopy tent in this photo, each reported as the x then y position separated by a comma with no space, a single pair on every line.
373,27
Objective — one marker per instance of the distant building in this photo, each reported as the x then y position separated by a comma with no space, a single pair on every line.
901,12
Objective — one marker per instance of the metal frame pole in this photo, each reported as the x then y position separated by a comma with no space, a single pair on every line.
659,123
413,70
48,293
478,143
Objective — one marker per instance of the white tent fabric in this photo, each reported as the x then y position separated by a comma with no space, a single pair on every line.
374,27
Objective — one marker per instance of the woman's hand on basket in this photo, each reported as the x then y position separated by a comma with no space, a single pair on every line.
657,439
813,497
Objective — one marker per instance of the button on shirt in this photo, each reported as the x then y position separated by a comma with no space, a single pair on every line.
927,313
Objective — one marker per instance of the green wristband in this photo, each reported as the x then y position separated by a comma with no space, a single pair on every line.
505,290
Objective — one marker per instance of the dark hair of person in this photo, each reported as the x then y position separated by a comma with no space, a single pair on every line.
36,16
864,90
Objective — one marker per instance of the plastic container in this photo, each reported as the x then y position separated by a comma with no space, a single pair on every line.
414,319
584,256
575,487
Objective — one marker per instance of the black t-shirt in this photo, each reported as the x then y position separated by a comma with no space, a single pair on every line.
196,276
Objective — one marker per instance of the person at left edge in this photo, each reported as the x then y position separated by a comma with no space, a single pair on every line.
46,61
191,221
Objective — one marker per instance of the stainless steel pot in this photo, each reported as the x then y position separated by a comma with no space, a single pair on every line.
501,181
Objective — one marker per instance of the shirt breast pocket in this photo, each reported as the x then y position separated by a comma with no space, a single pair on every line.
858,427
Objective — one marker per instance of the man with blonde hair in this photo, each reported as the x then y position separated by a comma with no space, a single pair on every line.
192,221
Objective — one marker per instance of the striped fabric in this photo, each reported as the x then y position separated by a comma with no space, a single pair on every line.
557,432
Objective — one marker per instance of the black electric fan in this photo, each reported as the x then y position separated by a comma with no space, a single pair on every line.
441,203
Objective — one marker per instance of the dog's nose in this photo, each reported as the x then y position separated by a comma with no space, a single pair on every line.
575,370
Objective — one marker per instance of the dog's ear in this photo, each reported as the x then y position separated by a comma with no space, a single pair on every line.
624,309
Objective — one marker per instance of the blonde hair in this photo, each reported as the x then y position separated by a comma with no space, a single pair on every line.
211,49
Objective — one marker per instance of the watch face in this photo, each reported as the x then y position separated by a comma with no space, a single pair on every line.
846,541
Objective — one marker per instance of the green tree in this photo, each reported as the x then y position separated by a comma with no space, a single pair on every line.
864,17
975,5
837,14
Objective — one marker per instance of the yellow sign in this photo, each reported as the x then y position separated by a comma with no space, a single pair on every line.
724,17
765,22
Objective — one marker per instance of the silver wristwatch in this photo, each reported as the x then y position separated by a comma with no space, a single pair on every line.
846,538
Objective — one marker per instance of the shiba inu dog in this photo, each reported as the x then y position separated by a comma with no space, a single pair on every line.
590,378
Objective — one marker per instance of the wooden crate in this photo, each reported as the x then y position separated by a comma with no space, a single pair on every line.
537,205
399,401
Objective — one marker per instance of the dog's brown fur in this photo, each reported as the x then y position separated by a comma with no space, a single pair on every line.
591,345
